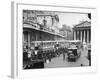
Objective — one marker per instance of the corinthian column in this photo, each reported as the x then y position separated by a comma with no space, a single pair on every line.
81,35
74,35
87,36
84,37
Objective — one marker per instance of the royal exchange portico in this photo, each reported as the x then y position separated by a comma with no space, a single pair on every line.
82,32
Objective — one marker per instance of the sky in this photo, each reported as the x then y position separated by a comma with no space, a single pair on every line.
71,19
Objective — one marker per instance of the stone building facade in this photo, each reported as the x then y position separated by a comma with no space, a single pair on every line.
67,32
40,26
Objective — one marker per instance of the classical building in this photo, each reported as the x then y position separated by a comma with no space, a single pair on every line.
82,31
40,26
66,31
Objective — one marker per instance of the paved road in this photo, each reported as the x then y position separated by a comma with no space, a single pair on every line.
59,62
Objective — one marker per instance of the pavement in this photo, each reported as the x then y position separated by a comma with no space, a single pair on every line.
59,62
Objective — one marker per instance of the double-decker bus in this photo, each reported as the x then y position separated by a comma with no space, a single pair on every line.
74,50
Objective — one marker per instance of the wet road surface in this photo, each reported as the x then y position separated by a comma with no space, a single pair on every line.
59,62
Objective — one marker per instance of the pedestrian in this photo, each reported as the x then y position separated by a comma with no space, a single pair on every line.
81,64
64,56
89,57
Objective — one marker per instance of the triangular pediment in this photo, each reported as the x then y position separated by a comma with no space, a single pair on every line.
84,24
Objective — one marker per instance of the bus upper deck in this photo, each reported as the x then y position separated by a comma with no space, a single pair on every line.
52,44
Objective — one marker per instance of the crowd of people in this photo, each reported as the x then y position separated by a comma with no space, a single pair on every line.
43,55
